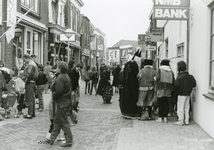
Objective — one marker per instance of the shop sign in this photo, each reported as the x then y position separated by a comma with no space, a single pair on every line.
100,47
171,13
86,52
64,38
172,3
150,48
141,39
156,37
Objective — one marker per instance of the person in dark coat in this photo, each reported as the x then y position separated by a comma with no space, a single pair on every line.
129,96
104,81
116,73
61,93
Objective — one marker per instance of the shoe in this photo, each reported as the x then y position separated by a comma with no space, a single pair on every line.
48,136
66,144
27,116
50,141
33,115
178,123
159,120
187,123
1,118
165,119
59,138
170,114
18,114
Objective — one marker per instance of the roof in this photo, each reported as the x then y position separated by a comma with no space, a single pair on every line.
123,43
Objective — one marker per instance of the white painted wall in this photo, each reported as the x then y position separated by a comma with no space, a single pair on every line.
199,64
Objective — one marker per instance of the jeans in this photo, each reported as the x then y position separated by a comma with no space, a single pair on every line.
163,107
94,84
183,106
61,122
87,86
30,88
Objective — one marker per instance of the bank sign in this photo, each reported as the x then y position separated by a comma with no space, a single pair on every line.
171,9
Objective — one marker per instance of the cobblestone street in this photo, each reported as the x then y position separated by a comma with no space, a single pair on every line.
101,127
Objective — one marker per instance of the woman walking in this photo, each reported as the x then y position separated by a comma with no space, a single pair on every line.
116,73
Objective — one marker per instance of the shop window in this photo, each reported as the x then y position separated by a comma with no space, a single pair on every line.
36,45
29,4
28,40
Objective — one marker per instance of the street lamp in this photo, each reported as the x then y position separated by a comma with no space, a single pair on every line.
68,34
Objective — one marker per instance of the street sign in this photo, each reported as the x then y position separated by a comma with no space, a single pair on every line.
156,37
64,38
150,48
141,39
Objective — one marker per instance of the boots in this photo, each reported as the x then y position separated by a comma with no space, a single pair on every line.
1,118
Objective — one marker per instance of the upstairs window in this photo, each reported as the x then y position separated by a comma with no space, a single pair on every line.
29,4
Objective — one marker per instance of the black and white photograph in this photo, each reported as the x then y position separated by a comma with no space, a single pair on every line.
107,74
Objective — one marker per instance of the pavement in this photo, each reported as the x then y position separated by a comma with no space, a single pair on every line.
102,127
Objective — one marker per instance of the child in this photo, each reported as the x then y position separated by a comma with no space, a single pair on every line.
41,82
87,76
183,85
94,80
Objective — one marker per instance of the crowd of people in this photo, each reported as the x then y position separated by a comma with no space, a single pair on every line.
142,91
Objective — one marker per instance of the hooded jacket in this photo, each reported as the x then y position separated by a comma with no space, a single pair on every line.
165,80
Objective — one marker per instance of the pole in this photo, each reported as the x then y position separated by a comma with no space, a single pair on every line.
68,51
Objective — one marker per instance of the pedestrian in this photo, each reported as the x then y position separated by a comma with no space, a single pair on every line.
33,57
2,85
30,76
74,75
104,87
55,66
94,80
147,93
61,94
165,80
47,70
102,67
129,96
184,84
115,74
87,76
40,83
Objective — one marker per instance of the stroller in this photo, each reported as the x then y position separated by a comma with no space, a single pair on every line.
9,98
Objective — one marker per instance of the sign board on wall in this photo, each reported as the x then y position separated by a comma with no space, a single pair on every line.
11,12
171,13
171,3
141,38
64,38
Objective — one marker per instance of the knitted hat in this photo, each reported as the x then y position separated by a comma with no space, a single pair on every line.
165,62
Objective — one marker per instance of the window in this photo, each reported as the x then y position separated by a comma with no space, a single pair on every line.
212,53
76,19
115,54
180,50
167,48
71,18
29,4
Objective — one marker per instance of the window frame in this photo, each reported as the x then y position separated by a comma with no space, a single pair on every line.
33,13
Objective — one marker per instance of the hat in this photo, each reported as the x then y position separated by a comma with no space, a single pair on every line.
165,62
79,65
182,66
148,62
26,56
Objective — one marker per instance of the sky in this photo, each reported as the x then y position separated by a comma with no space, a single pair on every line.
119,19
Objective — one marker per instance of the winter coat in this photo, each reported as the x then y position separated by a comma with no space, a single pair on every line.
165,80
184,84
31,72
116,73
61,90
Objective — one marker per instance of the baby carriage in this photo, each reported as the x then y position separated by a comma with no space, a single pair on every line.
9,98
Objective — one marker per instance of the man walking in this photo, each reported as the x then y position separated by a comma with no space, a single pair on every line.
30,76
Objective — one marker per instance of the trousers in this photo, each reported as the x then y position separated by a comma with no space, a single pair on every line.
183,106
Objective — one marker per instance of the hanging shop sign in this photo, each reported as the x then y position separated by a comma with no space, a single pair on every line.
156,34
150,48
71,39
171,3
86,52
141,39
100,47
171,13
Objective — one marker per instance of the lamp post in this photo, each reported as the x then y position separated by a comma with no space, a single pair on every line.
68,34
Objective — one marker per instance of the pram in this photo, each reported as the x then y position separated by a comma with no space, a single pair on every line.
9,98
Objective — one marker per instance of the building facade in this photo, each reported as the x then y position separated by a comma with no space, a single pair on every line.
192,41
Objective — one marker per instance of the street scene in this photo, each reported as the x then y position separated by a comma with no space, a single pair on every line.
102,127
107,74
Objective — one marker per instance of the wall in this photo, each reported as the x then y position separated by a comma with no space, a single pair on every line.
199,65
